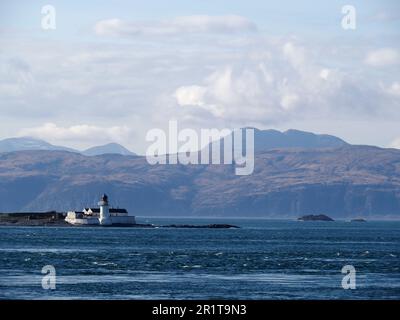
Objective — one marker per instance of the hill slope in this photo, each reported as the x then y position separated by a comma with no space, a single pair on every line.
27,143
110,148
341,182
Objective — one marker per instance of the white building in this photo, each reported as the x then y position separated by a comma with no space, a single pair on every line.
103,215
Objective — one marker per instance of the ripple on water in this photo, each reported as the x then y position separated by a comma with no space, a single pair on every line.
245,264
46,250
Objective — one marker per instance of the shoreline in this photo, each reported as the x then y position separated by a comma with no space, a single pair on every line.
63,223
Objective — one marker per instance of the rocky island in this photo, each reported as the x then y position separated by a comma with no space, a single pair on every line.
312,217
358,220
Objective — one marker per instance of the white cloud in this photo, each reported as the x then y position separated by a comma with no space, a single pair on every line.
10,90
179,25
294,54
324,73
220,93
109,27
267,88
203,81
288,101
195,96
17,76
393,89
227,93
83,133
382,57
395,144
190,95
219,24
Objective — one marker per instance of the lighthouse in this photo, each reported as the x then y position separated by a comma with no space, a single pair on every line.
104,216
104,211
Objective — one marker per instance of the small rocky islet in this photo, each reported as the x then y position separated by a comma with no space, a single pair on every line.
313,217
358,220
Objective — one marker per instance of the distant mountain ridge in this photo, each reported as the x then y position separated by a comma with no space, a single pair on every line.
110,148
32,144
265,140
274,139
28,143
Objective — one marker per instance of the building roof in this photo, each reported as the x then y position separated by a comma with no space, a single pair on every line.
112,210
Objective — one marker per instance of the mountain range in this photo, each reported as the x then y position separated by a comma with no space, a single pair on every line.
29,143
295,173
274,139
263,140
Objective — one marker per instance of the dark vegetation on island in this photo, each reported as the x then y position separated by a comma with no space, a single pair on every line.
312,217
50,218
358,220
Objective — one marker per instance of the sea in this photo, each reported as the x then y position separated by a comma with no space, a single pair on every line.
263,260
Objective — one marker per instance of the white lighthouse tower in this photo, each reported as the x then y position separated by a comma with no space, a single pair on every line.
104,211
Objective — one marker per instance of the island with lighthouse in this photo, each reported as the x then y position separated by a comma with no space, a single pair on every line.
102,216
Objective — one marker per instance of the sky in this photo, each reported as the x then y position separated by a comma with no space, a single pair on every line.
112,70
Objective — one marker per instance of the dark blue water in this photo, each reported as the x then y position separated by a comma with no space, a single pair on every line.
263,260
